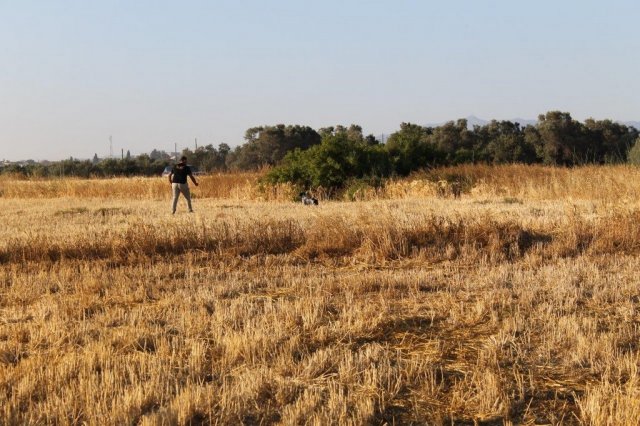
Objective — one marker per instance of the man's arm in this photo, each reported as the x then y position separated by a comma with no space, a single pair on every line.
190,174
171,176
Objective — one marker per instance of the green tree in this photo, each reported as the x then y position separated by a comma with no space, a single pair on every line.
267,145
504,142
610,141
409,148
453,143
560,138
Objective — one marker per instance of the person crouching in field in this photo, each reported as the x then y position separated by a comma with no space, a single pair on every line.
178,180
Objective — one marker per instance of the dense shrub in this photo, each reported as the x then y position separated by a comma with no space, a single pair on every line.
330,164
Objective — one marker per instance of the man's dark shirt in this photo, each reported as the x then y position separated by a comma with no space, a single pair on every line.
180,173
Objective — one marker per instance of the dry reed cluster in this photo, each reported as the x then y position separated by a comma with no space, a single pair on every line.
517,304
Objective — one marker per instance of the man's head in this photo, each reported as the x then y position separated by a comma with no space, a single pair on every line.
183,159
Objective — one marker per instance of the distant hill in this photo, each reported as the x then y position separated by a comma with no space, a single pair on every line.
472,120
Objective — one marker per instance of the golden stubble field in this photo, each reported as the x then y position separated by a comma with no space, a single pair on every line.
516,304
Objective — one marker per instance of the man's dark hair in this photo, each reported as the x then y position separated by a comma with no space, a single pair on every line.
183,158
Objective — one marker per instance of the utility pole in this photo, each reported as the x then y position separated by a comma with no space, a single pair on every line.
196,144
122,153
175,150
110,147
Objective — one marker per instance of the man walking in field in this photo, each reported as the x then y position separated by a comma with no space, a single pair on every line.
178,180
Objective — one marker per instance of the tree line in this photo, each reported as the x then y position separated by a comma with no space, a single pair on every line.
331,156
343,154
206,158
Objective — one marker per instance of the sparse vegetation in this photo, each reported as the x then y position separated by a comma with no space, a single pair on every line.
518,302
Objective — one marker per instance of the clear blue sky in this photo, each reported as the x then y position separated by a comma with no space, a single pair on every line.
155,73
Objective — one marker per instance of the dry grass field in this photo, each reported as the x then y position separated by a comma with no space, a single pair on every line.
518,303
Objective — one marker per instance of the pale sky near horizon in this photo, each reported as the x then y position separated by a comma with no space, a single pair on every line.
155,73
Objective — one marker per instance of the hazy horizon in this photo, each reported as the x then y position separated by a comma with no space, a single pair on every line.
155,74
